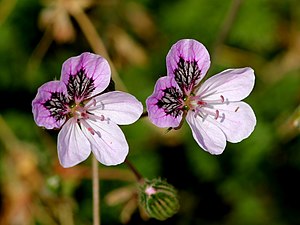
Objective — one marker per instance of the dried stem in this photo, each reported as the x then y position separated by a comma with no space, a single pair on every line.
96,189
40,50
96,42
227,24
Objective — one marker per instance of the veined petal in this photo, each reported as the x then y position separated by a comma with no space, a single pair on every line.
237,120
187,62
232,84
72,145
209,136
164,106
119,107
108,142
49,105
85,75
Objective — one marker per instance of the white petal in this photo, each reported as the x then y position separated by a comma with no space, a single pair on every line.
232,84
73,147
108,142
207,135
119,107
238,122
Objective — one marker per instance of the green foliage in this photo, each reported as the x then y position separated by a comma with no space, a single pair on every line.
252,182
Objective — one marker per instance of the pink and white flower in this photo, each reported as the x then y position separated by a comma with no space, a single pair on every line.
87,114
213,109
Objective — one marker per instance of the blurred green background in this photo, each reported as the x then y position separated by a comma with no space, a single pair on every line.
254,182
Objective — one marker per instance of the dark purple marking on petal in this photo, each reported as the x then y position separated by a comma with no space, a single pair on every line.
80,86
57,105
171,101
187,75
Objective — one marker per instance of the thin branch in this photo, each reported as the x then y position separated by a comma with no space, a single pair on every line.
227,24
40,50
96,42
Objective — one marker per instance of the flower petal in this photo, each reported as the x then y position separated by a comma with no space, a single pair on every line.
164,106
187,61
87,74
232,84
237,121
119,107
72,145
207,135
49,105
108,142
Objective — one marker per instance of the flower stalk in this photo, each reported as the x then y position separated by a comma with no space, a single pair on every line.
96,192
138,176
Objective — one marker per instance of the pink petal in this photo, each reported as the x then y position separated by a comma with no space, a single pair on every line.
119,107
232,84
238,123
95,67
158,115
190,50
73,147
108,142
42,116
209,136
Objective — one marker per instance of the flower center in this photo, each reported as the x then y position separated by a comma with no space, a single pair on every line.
80,113
204,107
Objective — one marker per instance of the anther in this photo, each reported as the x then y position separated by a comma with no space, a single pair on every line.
222,98
91,130
201,102
217,114
84,115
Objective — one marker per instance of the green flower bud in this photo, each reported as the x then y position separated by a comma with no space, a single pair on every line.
159,199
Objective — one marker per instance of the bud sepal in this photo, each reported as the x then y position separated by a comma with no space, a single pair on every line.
158,198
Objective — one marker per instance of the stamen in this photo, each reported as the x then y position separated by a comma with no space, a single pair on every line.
91,130
84,115
217,114
204,112
237,109
217,101
202,103
87,126
95,117
222,99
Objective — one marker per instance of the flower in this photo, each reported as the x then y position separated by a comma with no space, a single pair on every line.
213,109
87,117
